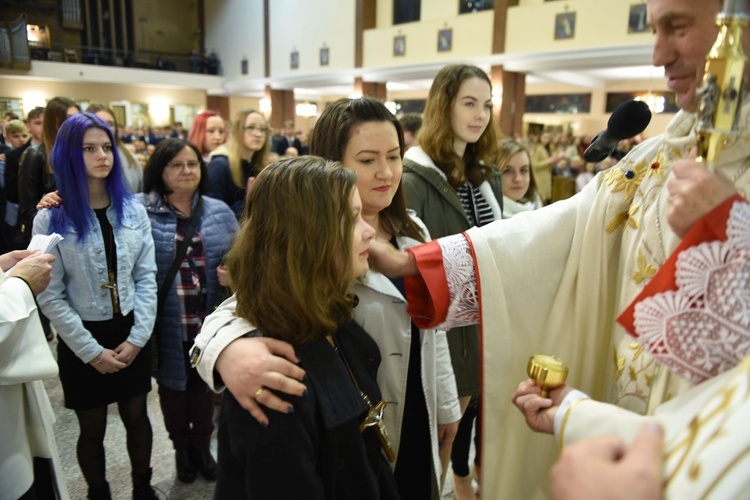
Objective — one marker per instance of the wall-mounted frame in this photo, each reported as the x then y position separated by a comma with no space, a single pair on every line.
399,45
445,40
294,60
637,19
565,25
325,56
244,66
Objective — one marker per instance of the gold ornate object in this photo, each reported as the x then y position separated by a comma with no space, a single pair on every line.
723,84
547,372
374,419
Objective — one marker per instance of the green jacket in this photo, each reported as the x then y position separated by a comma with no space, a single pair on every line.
439,206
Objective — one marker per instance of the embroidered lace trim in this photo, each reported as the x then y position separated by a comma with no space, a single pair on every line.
703,328
462,284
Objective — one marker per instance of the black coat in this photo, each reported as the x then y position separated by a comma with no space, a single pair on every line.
318,450
34,181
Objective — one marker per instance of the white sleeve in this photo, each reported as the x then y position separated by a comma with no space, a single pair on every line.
220,328
462,282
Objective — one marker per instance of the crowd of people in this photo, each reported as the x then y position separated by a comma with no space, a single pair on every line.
364,300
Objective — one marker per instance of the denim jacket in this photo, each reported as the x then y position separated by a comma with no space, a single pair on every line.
75,294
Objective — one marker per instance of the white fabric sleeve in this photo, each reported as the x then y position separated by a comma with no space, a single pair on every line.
462,282
220,329
573,395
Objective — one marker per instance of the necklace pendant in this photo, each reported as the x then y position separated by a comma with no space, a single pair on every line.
374,419
112,286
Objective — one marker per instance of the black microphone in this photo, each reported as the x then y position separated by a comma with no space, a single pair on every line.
628,120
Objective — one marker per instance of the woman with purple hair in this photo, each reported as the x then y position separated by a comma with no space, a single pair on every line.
102,298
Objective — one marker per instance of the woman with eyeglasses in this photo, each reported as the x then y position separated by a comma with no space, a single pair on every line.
233,166
175,181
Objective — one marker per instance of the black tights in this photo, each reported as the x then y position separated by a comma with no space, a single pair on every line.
93,424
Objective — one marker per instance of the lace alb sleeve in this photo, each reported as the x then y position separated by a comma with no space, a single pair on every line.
462,282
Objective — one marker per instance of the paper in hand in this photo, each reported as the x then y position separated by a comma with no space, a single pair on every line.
43,242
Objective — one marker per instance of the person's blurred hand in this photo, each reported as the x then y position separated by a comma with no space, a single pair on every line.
694,192
36,270
606,468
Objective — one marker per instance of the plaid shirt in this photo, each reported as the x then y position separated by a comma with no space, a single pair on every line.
191,283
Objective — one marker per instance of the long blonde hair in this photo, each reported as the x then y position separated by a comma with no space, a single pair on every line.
235,149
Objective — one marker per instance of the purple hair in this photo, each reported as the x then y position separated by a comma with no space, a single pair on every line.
72,182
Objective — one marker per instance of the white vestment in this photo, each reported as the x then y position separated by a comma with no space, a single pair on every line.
554,280
706,435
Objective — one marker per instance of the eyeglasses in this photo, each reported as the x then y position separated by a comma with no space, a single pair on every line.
191,165
252,129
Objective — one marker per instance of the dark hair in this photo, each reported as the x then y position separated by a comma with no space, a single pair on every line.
411,122
72,181
331,134
166,150
35,113
55,113
436,137
291,276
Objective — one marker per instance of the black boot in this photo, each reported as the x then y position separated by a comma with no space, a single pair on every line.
205,463
142,489
186,472
100,493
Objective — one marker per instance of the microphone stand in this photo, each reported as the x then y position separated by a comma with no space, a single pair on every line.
723,86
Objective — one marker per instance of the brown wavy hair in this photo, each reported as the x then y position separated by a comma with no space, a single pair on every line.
331,134
291,261
436,136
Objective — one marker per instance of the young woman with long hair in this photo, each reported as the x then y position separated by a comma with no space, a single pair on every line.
450,182
233,166
35,176
304,221
520,193
207,132
102,298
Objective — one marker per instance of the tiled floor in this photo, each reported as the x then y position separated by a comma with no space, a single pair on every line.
118,466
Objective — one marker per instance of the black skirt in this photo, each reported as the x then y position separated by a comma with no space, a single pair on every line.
84,387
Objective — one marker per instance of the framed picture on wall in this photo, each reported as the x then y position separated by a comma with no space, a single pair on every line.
445,40
565,25
399,45
324,56
637,20
294,60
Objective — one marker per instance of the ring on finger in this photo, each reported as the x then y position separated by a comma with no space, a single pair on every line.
258,392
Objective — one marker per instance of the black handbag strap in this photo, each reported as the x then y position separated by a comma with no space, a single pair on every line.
195,216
